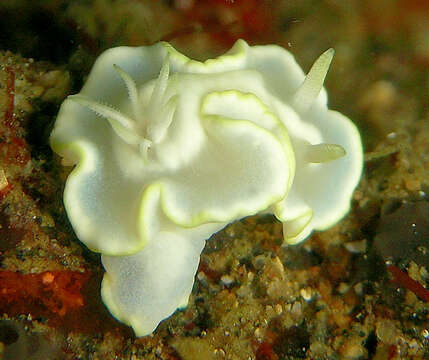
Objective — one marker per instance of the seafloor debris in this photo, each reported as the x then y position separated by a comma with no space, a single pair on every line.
17,343
403,235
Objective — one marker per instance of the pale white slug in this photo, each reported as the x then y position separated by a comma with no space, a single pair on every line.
169,150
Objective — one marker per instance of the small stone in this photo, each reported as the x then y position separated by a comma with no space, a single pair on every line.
202,278
414,271
352,349
306,293
343,288
191,349
230,231
3,180
319,350
278,289
227,280
24,104
412,184
341,319
413,344
259,261
219,353
391,136
259,334
50,78
424,273
386,331
278,267
358,288
296,309
269,312
37,90
356,247
244,291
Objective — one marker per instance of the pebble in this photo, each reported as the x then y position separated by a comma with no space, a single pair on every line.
352,349
227,280
296,309
356,247
386,331
343,288
3,179
412,184
306,293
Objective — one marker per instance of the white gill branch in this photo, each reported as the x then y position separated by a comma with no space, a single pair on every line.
322,153
313,82
132,90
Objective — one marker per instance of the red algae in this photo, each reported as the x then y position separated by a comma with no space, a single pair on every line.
69,300
210,273
282,343
407,282
250,19
15,152
49,293
10,235
265,352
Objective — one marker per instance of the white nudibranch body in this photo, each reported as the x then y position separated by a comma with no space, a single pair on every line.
169,150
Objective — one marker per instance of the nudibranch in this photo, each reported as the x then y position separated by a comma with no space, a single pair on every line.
169,150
